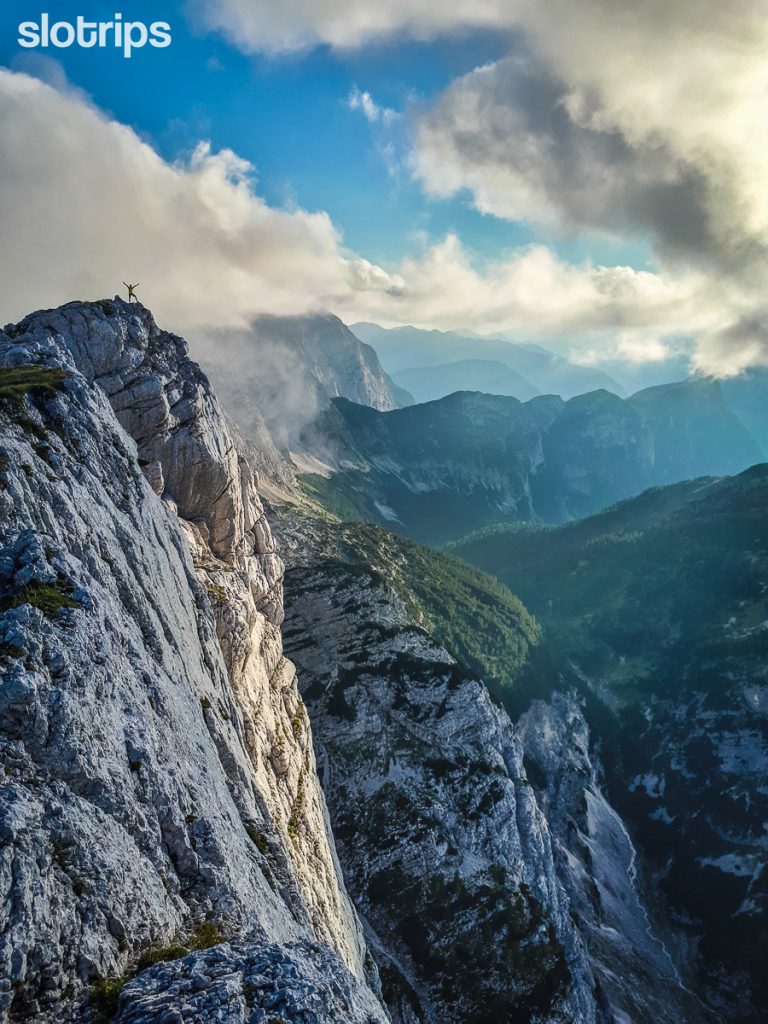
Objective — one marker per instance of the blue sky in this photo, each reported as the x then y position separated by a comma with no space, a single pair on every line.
621,170
290,117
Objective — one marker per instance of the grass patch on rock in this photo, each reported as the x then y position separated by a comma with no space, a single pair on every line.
50,598
258,839
104,996
16,382
203,935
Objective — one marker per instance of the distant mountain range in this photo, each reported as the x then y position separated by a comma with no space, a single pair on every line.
405,350
428,383
488,442
442,469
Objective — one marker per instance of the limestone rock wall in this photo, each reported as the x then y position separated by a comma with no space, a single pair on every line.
158,764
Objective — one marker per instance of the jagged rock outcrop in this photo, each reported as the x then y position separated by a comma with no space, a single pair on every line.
444,847
496,881
282,371
159,780
639,977
659,606
247,984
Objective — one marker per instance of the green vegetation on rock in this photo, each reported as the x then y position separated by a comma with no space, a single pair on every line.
523,981
16,382
258,839
104,996
204,934
50,598
476,618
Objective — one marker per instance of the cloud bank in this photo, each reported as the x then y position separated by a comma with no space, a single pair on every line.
646,118
85,204
294,25
640,120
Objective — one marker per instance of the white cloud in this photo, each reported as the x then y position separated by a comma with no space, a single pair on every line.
371,110
262,25
382,121
639,119
86,204
533,294
735,346
642,348
644,118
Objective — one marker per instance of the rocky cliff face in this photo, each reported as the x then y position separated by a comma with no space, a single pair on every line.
445,850
468,845
159,781
286,368
166,850
660,604
642,968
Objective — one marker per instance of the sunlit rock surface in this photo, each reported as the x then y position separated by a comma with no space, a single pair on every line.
158,764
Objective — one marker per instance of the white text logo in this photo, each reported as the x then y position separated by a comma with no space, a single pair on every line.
123,35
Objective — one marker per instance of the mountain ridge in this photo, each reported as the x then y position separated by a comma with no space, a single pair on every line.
429,383
158,798
439,470
283,370
401,347
161,798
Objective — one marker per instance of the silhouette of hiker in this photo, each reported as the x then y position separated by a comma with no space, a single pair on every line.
132,291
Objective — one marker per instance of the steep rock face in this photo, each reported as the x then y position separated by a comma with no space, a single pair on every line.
286,368
158,760
660,605
445,849
638,978
496,881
